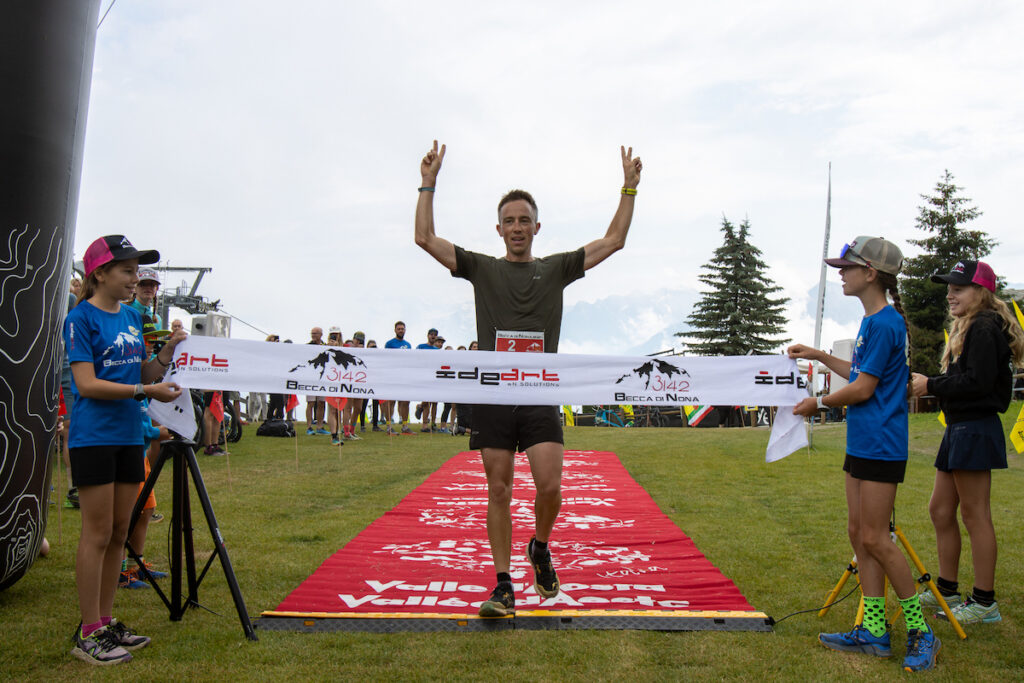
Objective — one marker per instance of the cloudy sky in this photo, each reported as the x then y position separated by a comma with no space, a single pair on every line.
279,143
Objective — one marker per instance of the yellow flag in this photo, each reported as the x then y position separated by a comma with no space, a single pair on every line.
570,419
942,415
1016,309
1017,431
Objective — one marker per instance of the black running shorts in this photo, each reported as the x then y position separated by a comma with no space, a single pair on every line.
514,428
97,465
868,469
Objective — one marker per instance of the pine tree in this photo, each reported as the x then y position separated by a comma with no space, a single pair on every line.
737,315
943,216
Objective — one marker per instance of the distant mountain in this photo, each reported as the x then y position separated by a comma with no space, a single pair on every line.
632,324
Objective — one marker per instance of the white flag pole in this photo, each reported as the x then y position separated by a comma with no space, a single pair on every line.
816,368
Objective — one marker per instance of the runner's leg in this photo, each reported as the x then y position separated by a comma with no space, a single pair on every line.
499,466
546,467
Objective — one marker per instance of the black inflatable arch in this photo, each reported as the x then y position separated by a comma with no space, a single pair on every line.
46,53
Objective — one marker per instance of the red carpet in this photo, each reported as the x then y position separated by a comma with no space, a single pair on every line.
613,550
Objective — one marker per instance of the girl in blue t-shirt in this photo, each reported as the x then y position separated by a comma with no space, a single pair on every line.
103,341
876,448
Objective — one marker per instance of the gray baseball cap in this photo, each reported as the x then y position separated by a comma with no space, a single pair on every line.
876,252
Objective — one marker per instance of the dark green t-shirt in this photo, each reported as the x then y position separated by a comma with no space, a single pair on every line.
518,296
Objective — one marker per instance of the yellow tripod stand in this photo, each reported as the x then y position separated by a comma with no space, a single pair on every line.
925,578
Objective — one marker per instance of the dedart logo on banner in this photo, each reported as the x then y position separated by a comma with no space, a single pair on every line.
663,381
197,363
338,369
515,377
765,377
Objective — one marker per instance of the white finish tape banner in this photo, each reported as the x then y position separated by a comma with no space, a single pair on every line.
489,377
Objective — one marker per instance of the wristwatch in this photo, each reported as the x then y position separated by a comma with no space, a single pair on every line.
821,403
140,392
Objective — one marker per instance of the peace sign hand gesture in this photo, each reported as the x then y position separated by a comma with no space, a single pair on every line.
631,168
431,164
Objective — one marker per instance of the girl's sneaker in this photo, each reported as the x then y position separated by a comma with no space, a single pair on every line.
930,602
130,579
126,637
857,640
100,647
972,612
922,649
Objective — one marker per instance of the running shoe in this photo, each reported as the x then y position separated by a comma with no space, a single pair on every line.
322,432
501,603
127,638
857,640
929,601
335,441
153,571
425,430
390,431
419,411
100,647
72,497
406,430
354,437
443,430
376,429
130,579
545,581
310,431
971,612
922,648
157,517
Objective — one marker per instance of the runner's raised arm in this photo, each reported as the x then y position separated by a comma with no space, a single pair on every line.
615,238
441,249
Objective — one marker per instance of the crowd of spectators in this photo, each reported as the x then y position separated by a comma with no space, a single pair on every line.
339,418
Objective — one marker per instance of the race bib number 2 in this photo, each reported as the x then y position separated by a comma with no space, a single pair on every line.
517,341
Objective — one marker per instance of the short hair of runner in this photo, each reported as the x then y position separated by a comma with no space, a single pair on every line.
514,195
399,323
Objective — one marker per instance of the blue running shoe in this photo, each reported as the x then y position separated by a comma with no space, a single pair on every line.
857,640
322,432
922,648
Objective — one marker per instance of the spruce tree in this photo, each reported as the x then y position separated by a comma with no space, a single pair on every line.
943,216
737,315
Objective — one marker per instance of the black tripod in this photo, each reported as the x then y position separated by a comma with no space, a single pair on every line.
183,455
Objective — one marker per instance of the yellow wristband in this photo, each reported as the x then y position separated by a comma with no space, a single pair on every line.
631,191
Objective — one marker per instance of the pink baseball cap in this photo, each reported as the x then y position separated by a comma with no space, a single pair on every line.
969,273
115,248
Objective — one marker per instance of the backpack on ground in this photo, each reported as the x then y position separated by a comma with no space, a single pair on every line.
276,428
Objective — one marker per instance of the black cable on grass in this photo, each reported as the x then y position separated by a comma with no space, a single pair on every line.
773,622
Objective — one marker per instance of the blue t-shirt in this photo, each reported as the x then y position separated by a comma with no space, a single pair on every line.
425,345
112,342
146,310
877,428
397,343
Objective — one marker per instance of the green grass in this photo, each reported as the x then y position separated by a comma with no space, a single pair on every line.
777,530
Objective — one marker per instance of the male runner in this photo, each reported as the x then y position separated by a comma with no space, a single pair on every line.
427,411
519,302
398,342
